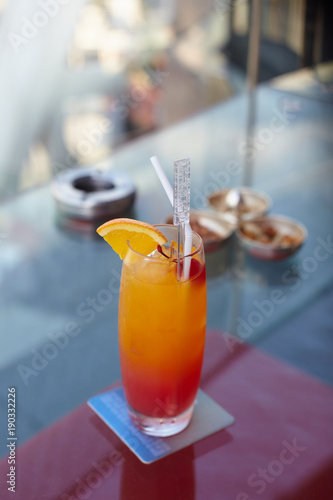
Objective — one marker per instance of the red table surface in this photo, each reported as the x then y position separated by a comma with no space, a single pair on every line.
280,447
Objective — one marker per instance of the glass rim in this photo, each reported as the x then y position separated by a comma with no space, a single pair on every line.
200,247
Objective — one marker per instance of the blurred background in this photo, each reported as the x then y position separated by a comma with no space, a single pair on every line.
68,67
82,82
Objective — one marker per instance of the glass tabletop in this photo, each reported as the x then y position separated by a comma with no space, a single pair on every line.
59,289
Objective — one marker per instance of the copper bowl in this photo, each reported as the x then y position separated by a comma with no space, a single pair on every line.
252,203
273,237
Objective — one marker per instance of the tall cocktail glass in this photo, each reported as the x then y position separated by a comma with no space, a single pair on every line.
162,323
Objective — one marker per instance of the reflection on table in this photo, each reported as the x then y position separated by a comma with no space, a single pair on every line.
60,290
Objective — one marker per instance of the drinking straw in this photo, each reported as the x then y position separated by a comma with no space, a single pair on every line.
181,213
163,178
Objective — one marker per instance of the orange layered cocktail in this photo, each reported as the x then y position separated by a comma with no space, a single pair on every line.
162,322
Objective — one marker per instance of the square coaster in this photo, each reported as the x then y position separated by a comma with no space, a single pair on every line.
208,418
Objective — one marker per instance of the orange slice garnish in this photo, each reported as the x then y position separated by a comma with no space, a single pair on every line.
142,237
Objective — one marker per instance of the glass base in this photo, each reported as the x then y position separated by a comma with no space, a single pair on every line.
161,427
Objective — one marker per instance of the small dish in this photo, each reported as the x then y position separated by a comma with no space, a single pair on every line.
272,237
212,228
241,203
89,193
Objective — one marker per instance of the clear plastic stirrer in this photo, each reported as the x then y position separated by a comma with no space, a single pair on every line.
181,214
